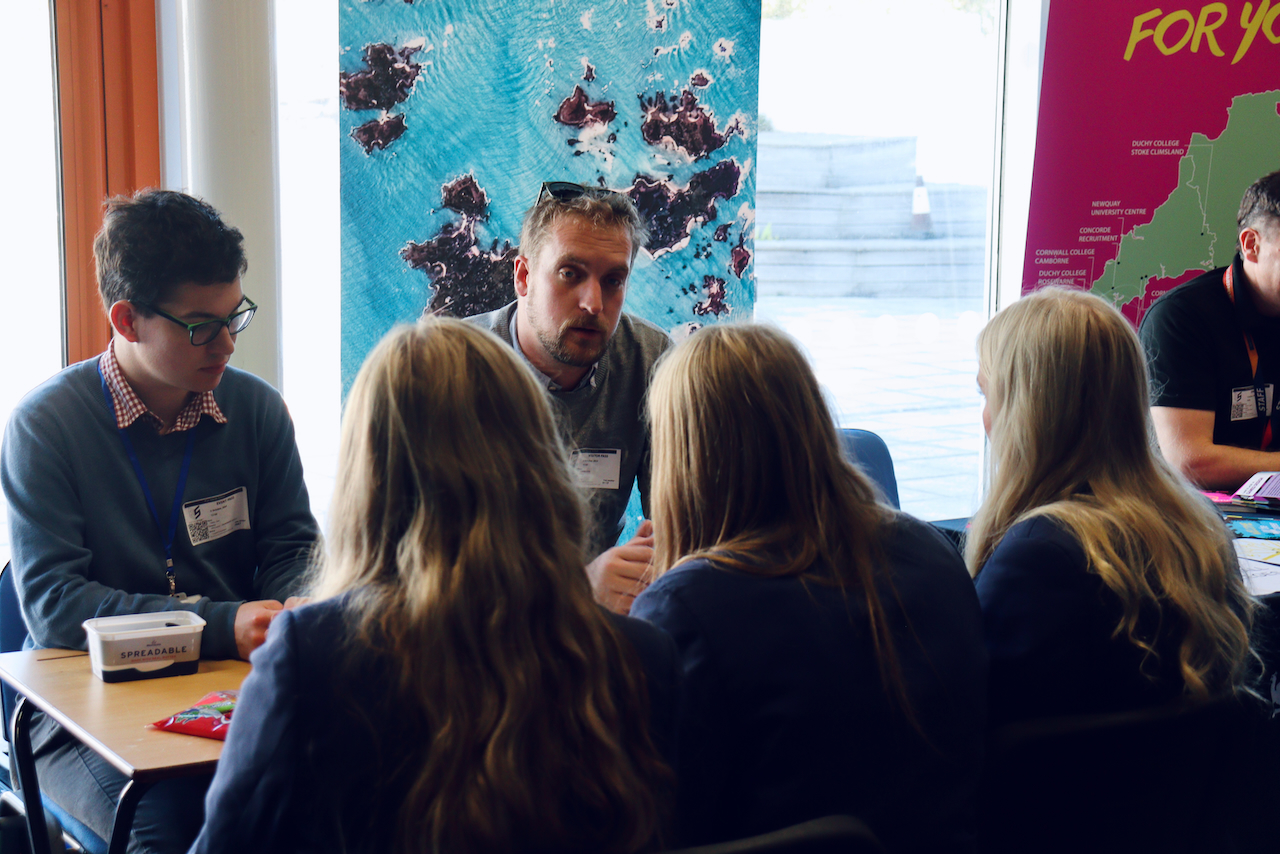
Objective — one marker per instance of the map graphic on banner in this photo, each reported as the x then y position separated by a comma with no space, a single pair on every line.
454,113
1153,121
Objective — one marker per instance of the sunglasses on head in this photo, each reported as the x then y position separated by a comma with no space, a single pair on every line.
566,190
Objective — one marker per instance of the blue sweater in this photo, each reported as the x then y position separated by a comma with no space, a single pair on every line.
84,543
785,717
1048,623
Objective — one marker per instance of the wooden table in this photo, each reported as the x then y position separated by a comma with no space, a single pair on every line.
112,720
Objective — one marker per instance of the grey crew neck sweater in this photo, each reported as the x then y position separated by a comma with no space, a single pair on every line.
606,414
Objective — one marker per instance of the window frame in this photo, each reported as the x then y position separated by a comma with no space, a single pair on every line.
106,79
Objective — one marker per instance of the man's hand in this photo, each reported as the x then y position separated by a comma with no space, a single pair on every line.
618,575
296,602
252,621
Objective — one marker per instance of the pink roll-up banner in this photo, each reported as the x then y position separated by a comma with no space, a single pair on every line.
1153,120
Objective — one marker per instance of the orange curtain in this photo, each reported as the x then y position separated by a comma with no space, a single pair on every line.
109,129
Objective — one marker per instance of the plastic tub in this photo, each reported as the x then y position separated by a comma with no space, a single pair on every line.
144,646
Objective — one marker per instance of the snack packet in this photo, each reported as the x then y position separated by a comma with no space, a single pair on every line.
208,718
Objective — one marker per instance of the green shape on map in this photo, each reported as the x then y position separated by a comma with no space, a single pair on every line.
1195,228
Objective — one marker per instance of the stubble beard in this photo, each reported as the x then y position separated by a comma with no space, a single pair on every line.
559,348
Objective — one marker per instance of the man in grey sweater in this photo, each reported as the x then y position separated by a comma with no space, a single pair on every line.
154,477
578,245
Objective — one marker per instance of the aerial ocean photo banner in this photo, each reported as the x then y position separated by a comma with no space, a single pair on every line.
453,113
1153,121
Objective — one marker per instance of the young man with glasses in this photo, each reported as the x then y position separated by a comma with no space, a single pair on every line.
154,477
577,247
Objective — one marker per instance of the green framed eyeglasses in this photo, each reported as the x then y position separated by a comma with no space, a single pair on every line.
205,331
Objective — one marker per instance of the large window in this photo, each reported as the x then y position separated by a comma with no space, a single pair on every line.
876,156
307,93
31,346
875,163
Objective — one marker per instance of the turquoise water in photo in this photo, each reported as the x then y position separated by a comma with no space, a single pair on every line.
483,103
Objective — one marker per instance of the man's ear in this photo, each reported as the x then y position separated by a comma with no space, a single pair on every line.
1250,243
123,317
522,276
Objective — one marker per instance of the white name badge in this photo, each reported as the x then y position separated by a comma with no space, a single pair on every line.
598,468
213,518
1247,403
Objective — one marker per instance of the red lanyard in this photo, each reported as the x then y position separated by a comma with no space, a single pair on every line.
1228,282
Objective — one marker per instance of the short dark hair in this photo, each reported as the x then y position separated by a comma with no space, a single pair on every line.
156,240
601,209
1260,206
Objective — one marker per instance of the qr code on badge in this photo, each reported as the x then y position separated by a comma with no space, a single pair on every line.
199,531
1243,404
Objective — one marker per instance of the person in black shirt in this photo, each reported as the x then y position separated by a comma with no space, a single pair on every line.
1213,352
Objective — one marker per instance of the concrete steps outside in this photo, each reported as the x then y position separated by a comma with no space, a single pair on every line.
834,217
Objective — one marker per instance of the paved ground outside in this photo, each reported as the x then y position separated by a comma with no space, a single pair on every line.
905,369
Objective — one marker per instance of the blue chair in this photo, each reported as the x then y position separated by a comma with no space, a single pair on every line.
13,635
869,451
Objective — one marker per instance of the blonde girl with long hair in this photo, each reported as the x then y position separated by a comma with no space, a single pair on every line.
454,688
831,646
1106,582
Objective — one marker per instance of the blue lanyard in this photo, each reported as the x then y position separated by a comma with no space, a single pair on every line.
166,540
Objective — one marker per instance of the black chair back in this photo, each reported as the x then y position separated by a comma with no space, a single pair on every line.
1162,779
835,834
